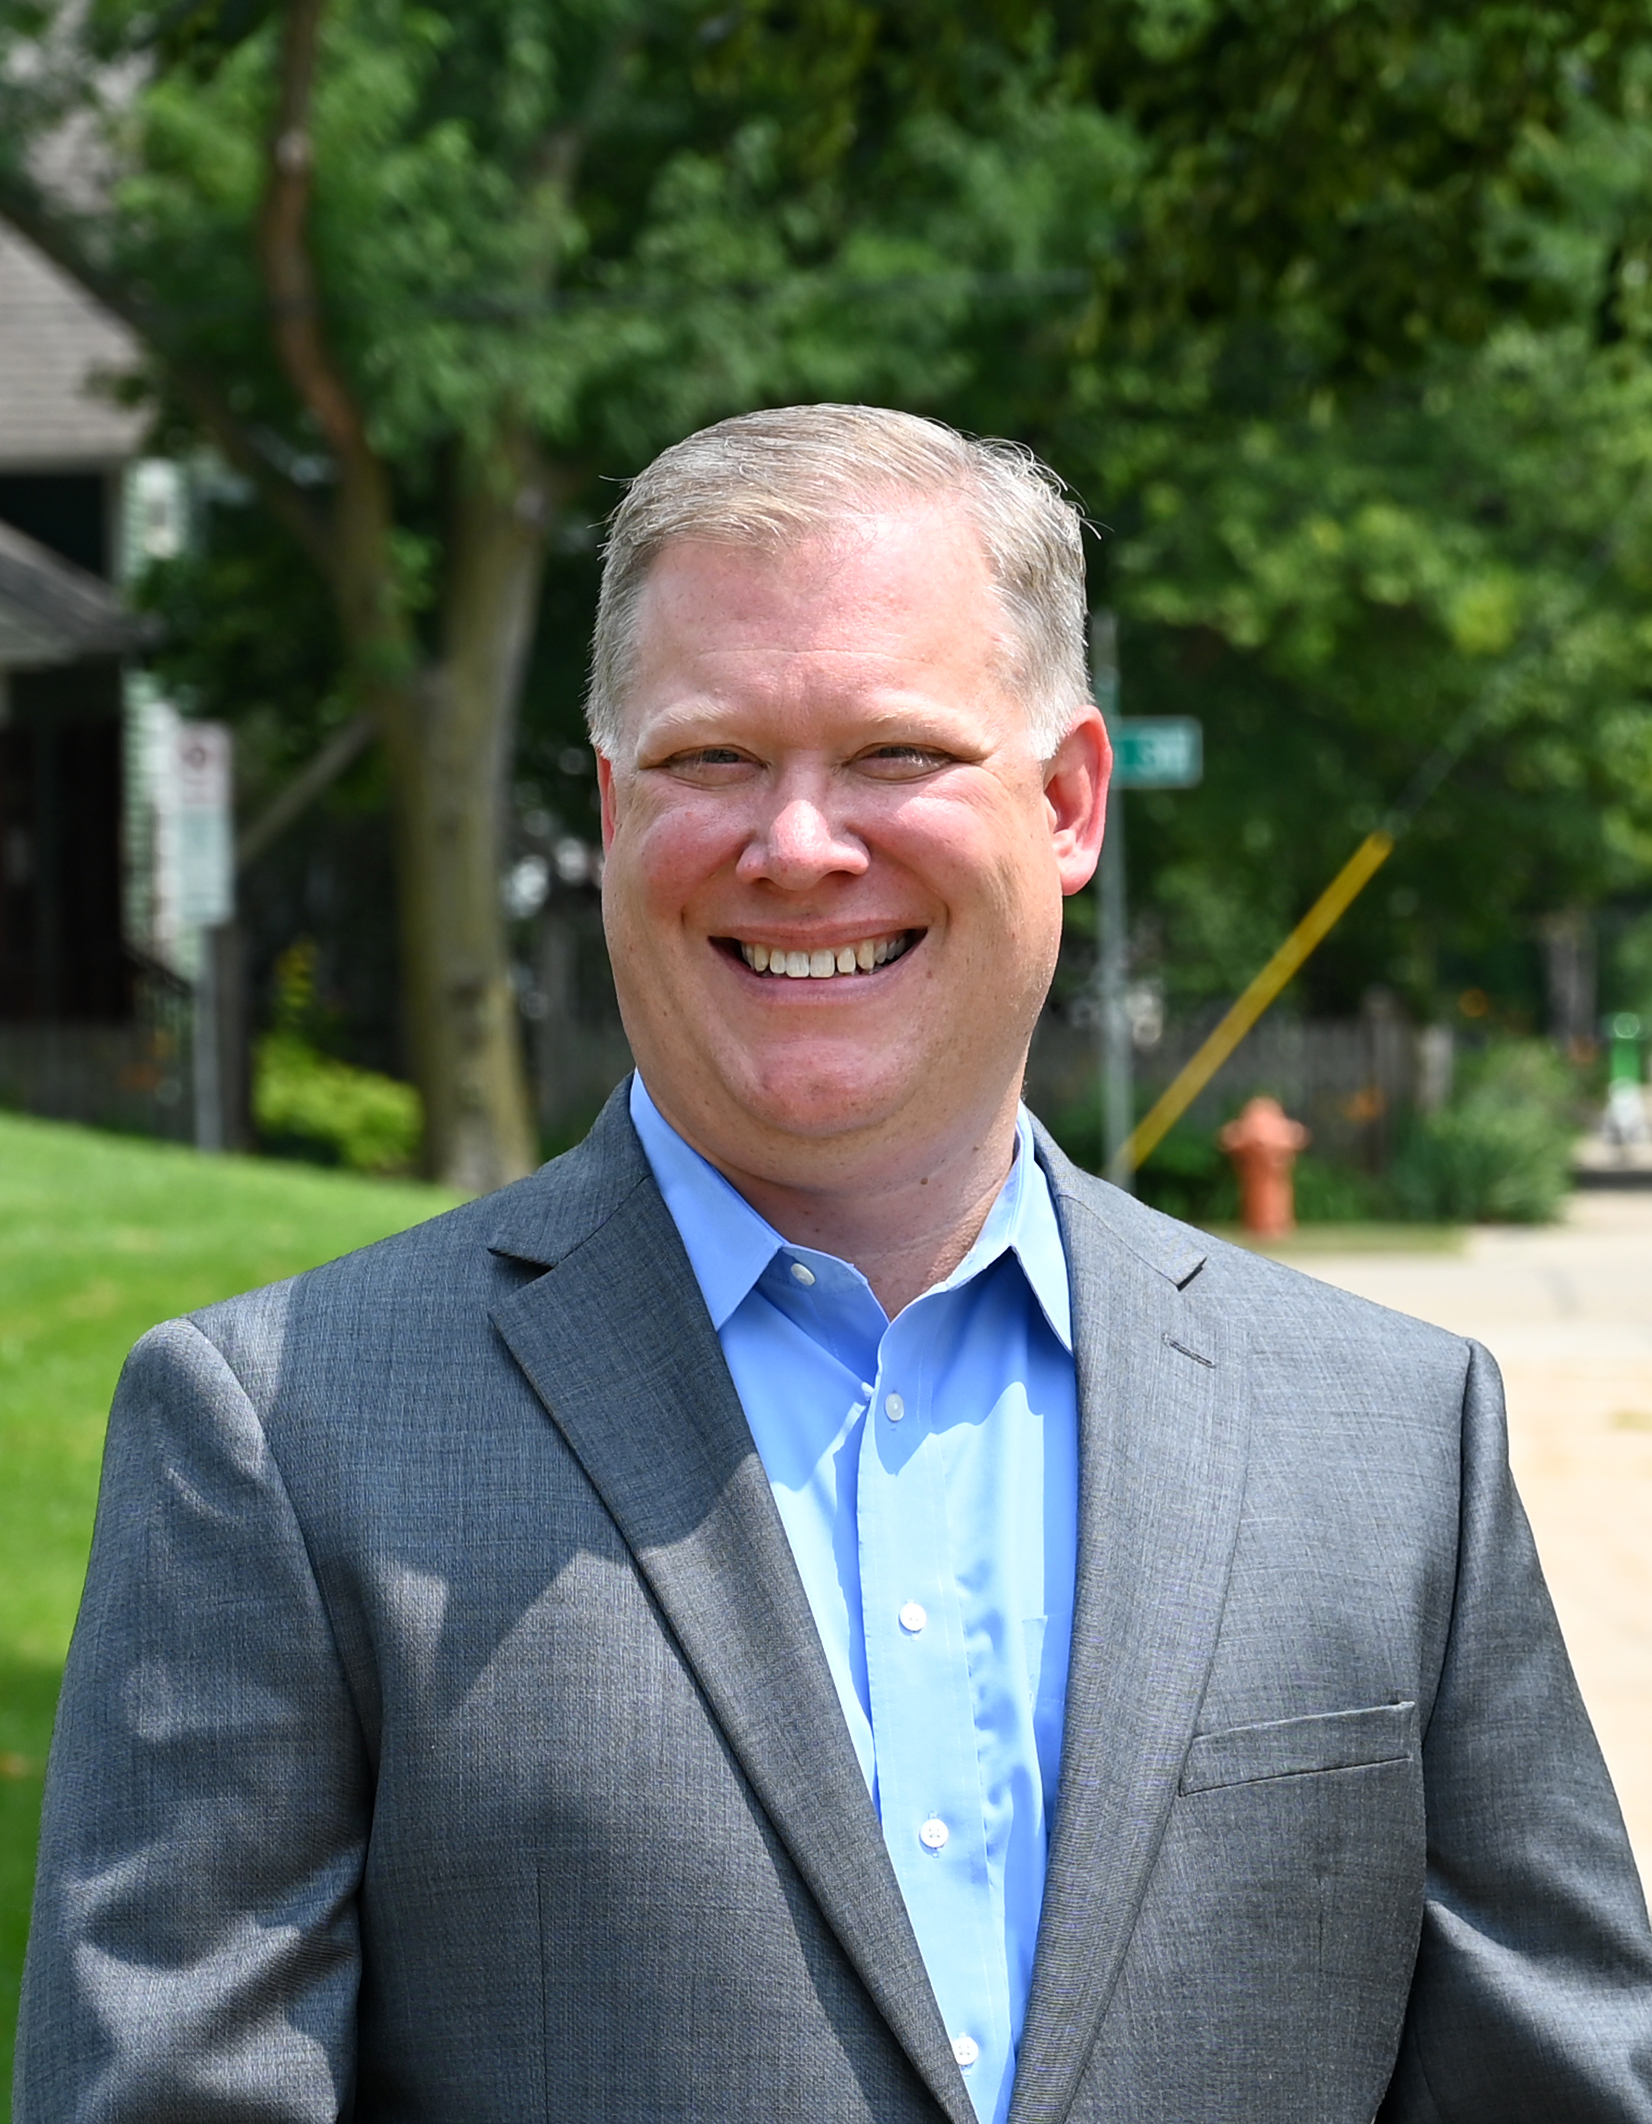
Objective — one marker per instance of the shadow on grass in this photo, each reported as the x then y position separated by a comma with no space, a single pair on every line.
28,1698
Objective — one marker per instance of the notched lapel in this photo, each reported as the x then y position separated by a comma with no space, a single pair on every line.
1162,1424
617,1344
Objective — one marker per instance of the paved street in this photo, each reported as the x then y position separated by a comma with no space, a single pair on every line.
1567,1312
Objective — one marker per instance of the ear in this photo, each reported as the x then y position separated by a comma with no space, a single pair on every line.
1075,792
610,800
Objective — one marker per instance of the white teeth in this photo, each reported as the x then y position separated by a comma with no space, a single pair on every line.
828,962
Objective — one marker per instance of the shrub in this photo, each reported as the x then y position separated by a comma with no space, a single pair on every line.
347,1116
311,1105
1501,1152
1338,1194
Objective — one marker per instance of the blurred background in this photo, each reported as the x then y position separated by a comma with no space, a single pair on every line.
329,330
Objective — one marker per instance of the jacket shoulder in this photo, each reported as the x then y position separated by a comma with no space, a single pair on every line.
1272,1301
439,1278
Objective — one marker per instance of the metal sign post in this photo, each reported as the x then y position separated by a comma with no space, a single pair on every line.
1149,752
1112,934
206,898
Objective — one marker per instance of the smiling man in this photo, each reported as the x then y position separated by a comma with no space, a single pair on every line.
810,1610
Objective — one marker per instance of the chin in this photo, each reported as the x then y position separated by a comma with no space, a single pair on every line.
822,1096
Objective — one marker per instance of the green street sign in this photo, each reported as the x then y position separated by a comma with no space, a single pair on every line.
1157,751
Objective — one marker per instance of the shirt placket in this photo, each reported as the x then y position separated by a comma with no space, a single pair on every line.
922,1705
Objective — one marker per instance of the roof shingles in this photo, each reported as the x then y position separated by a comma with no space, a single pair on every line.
54,343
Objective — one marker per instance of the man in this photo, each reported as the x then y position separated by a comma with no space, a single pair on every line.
810,1608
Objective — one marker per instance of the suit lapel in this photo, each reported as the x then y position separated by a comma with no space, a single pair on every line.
1161,1457
616,1342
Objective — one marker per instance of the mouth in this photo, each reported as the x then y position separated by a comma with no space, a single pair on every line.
826,962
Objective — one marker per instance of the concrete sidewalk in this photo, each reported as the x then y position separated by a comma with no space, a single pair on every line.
1567,1312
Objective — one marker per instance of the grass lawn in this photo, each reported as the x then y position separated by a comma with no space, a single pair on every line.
100,1237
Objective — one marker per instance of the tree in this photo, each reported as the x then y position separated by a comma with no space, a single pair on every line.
418,276
429,278
1342,579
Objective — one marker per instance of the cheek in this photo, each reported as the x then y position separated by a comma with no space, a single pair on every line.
987,864
667,857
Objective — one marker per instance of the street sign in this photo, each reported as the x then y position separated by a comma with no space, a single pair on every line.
1157,751
204,828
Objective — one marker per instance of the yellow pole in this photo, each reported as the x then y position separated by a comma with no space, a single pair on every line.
1363,865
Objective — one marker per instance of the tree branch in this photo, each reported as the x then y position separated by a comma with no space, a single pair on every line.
289,273
318,773
29,214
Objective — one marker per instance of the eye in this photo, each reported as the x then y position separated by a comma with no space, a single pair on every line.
898,763
709,765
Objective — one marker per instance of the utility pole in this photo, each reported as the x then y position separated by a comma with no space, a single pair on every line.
1149,752
1112,929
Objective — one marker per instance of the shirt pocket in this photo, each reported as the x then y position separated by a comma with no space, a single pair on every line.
1297,1747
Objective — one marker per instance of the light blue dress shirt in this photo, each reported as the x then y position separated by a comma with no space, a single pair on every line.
926,1473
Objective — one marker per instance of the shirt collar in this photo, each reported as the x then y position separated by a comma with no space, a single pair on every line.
1022,1221
729,1245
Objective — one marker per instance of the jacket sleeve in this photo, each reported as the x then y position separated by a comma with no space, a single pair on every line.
194,1953
1532,1999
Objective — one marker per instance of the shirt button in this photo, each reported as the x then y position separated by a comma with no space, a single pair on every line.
913,1618
801,1273
893,1407
934,1833
966,2050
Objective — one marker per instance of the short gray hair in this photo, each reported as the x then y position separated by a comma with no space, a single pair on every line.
774,478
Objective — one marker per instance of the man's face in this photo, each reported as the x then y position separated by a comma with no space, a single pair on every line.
821,769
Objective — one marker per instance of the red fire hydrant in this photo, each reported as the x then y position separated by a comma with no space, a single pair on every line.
1263,1144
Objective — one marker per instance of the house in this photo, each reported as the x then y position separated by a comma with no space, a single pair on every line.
86,1027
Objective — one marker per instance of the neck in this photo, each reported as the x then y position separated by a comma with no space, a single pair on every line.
905,1221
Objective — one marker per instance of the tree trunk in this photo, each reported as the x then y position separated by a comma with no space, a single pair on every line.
449,731
447,728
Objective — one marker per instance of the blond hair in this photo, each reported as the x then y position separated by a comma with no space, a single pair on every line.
775,478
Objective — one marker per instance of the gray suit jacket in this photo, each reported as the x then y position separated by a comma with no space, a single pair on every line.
446,1736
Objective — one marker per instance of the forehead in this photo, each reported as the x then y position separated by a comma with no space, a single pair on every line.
900,588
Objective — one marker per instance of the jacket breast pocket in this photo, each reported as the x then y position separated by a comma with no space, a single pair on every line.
1297,1747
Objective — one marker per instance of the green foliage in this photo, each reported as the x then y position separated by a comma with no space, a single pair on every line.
1500,1152
1339,596
249,636
100,1237
1335,318
1327,1193
1633,967
1188,1177
306,1102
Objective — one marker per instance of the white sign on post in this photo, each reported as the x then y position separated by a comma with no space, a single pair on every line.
205,827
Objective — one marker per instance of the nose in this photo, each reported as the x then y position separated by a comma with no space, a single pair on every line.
799,843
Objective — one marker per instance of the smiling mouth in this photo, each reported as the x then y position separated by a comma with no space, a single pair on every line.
864,956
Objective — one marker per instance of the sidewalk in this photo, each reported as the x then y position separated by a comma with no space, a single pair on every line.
1567,1312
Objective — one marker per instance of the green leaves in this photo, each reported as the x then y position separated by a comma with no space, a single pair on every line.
1334,312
